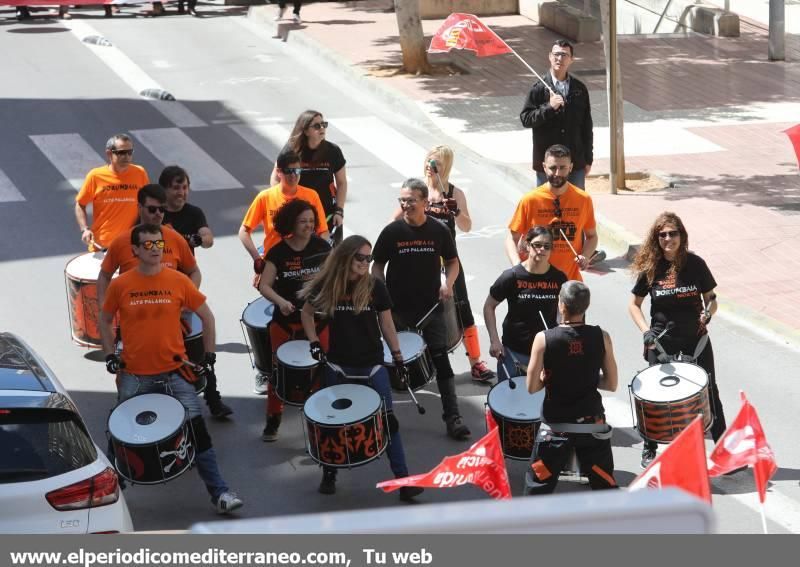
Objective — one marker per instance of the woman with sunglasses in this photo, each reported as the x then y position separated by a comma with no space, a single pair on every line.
323,167
358,309
289,264
531,290
682,302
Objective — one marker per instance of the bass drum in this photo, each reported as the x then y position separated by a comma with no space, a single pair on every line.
518,415
667,398
80,275
151,438
255,321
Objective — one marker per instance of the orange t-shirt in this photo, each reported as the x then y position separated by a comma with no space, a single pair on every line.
177,254
113,200
150,318
267,203
537,207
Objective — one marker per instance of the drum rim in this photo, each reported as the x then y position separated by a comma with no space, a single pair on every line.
78,278
381,404
417,356
500,383
638,397
150,443
316,364
246,307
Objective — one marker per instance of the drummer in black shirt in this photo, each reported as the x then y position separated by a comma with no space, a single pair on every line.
358,308
531,290
567,361
679,284
189,221
415,247
288,265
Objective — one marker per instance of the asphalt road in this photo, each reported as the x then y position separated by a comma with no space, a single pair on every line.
238,92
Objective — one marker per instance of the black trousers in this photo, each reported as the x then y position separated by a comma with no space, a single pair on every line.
282,5
462,299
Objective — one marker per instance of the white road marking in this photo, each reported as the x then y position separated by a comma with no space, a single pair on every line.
133,75
172,145
71,155
8,191
781,509
161,64
256,134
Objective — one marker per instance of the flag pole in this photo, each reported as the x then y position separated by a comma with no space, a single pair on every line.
530,69
763,518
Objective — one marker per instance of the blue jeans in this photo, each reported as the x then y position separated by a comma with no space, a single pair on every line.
577,178
172,384
508,362
380,383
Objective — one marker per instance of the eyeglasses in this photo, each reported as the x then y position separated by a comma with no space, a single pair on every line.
407,201
319,125
557,204
292,170
669,234
560,54
148,244
541,245
122,152
362,257
152,209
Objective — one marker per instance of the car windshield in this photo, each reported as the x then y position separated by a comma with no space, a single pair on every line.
40,443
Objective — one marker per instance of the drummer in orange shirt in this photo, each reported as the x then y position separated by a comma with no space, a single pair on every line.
267,202
561,207
111,190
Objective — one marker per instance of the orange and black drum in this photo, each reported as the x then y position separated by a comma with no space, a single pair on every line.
667,398
518,415
84,310
345,426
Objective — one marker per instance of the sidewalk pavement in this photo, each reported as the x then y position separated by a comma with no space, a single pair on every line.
706,113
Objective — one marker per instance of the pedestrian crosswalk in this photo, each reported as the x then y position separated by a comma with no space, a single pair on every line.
8,191
70,154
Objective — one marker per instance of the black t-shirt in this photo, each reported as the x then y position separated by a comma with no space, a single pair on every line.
355,340
442,215
676,298
187,221
414,255
573,358
293,270
527,295
319,167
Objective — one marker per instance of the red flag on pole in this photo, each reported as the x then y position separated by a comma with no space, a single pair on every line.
465,31
794,137
743,444
682,464
482,464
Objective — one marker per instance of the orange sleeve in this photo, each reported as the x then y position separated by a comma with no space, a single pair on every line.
86,194
185,258
255,214
520,223
590,220
193,297
323,222
111,302
111,261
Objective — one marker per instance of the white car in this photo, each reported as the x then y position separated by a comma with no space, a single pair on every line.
53,476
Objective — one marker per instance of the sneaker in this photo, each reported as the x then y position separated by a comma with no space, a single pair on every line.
456,428
296,18
227,503
279,16
481,372
328,484
219,409
407,493
648,456
262,381
597,257
270,432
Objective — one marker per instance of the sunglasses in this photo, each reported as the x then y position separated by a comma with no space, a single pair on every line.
557,204
148,244
541,245
319,125
152,209
362,257
292,170
669,234
122,152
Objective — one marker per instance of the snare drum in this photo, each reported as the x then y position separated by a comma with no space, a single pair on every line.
151,438
193,336
297,374
667,398
255,320
345,426
417,358
80,275
518,415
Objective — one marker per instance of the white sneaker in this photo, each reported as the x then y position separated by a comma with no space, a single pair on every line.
262,380
296,18
281,11
227,503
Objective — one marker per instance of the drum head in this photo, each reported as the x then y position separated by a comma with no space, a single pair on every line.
296,354
411,345
669,382
516,404
258,313
146,419
86,266
195,323
342,404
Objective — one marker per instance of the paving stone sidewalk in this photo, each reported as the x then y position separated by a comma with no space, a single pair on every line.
707,113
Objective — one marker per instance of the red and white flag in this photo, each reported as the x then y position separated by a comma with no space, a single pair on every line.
482,464
743,444
465,31
682,465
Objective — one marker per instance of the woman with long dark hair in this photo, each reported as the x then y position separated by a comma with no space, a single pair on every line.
682,302
358,311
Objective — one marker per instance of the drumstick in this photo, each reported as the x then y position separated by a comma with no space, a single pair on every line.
543,321
428,314
568,242
188,363
511,383
404,378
